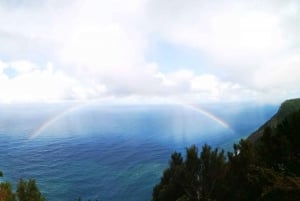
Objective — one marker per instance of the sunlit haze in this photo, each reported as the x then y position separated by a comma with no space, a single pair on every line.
149,50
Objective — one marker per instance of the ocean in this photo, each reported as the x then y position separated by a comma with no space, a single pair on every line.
111,152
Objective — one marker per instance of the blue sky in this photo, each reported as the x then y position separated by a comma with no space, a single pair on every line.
175,57
149,51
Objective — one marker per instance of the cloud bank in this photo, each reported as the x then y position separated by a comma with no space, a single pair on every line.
94,50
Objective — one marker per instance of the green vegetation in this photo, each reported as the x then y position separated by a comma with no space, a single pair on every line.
6,193
268,169
287,107
26,191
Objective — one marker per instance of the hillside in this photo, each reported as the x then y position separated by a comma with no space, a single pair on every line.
286,108
268,169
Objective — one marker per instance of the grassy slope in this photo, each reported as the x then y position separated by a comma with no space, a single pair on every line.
286,108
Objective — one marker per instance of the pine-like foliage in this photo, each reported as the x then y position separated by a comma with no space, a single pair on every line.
266,170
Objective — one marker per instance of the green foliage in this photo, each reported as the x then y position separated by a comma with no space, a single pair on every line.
288,107
6,193
266,170
211,171
280,148
195,178
28,191
170,187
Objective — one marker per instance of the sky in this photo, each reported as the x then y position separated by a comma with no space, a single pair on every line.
149,50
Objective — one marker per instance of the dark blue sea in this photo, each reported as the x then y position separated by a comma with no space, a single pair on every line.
111,152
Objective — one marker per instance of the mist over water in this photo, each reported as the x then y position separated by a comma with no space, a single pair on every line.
110,152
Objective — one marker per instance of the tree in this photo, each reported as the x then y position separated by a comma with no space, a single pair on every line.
197,178
170,186
191,180
269,169
28,191
279,146
239,177
212,172
6,193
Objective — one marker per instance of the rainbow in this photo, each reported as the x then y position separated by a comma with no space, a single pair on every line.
207,113
71,109
52,120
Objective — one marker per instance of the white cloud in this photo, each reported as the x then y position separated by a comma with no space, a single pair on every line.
236,35
41,85
250,43
23,66
99,49
103,37
183,85
3,65
280,73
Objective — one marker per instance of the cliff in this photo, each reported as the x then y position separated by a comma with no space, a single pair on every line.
286,108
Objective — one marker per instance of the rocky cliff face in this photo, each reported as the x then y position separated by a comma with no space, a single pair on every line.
286,108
